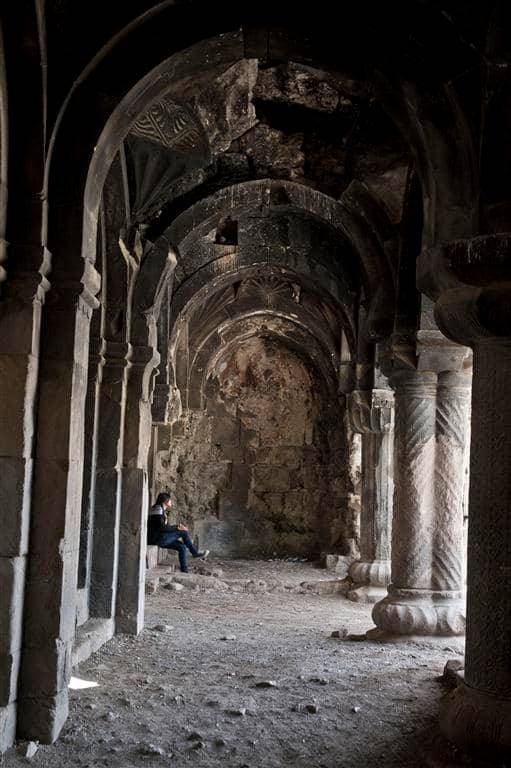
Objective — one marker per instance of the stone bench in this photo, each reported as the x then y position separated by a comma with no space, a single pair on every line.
151,557
156,556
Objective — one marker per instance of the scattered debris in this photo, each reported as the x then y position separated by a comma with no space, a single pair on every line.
162,628
27,749
450,676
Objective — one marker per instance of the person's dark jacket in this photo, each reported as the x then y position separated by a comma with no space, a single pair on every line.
157,523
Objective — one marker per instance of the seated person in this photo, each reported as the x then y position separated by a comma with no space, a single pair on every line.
167,536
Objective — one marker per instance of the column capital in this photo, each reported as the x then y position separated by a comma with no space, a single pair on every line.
471,283
457,381
141,356
371,410
80,283
413,382
116,352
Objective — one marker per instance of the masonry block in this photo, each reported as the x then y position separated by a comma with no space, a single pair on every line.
12,587
164,437
268,478
225,431
151,557
7,726
9,668
15,482
232,504
41,719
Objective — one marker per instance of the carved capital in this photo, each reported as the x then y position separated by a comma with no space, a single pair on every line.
117,353
143,367
413,383
471,282
371,410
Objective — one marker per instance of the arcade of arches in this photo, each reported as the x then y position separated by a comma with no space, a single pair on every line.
248,253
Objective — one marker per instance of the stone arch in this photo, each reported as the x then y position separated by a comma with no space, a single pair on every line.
70,233
344,217
319,279
232,478
296,333
245,292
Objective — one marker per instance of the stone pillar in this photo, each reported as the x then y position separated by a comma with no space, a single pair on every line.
473,308
452,447
135,491
372,416
425,595
108,496
479,711
50,594
89,476
20,318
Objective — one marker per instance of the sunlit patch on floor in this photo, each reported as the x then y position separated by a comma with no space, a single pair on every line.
77,684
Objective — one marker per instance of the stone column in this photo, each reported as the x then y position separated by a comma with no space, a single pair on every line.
452,436
20,318
108,497
479,711
474,308
89,476
425,594
50,594
372,416
135,491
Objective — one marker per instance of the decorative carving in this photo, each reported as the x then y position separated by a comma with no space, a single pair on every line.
425,597
268,286
371,410
452,423
170,125
371,415
420,612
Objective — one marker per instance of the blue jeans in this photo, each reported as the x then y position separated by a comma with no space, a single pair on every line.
181,541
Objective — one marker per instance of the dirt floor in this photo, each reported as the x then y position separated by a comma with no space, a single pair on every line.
239,668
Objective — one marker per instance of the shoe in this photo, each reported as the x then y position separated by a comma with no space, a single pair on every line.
203,555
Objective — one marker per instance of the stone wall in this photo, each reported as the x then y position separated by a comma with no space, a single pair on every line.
262,469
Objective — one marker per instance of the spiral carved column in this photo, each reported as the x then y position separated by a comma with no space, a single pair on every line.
425,596
371,415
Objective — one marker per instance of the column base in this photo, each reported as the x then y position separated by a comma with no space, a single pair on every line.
420,612
42,719
469,717
370,579
7,726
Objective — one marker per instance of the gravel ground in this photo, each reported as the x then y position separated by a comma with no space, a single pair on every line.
239,669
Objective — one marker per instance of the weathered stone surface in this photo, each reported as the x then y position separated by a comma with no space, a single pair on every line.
450,675
425,597
372,416
339,564
7,726
237,496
